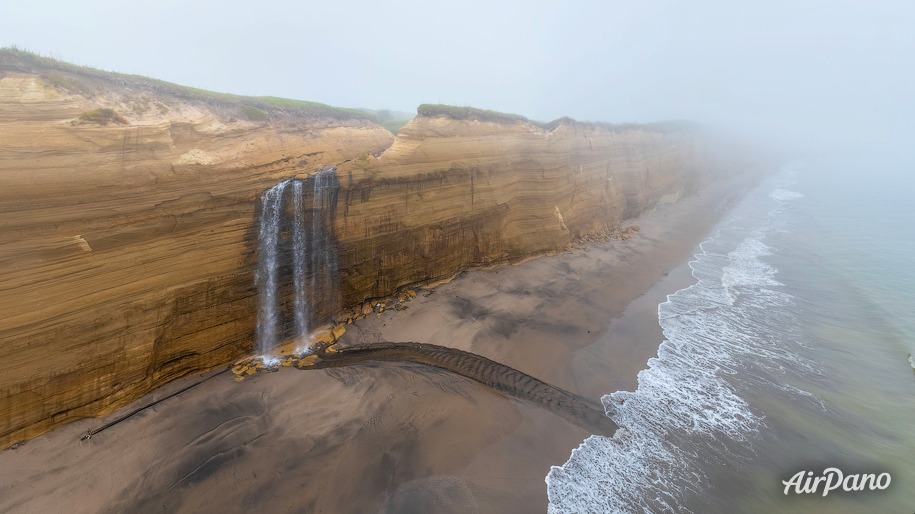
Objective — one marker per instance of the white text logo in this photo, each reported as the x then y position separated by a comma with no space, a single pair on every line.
804,482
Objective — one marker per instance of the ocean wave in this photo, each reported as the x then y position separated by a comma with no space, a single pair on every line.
720,331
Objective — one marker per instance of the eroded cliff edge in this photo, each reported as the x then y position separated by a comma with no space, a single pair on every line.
127,217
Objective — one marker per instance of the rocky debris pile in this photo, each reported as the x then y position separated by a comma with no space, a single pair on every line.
613,234
397,302
323,342
628,232
290,355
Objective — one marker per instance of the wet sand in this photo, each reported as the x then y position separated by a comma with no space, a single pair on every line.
389,436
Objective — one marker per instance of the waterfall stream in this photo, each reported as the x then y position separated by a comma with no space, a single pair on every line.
296,259
299,245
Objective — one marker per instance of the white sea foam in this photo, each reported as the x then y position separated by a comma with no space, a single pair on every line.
746,269
785,194
731,322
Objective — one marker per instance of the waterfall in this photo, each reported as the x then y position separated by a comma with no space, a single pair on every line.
268,246
296,238
322,255
299,247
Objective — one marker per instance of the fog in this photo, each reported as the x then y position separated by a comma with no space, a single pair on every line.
819,73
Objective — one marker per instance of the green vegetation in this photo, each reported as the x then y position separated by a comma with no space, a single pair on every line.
102,116
317,109
253,113
468,113
472,113
88,81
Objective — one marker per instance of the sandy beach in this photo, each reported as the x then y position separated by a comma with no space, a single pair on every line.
390,437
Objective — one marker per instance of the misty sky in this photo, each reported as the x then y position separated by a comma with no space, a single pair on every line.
802,69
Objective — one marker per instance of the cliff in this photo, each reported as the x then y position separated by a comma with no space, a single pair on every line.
457,193
128,217
125,254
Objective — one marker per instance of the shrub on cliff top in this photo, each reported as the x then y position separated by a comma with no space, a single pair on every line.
102,116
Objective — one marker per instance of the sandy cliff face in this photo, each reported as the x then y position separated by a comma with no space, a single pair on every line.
451,194
127,237
125,247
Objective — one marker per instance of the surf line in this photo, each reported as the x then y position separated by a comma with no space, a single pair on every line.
575,409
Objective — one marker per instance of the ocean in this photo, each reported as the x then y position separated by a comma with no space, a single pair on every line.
789,353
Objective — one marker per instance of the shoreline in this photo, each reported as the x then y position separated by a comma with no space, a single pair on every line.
399,434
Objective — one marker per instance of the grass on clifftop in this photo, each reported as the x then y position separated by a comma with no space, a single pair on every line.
468,113
472,113
89,82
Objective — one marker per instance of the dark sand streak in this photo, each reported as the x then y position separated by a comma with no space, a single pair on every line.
571,407
125,417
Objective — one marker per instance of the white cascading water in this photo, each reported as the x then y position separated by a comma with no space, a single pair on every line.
299,245
312,261
268,244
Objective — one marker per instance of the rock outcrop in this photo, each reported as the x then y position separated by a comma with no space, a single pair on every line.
127,217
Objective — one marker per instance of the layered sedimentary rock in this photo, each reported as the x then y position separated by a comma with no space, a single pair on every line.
125,239
128,218
457,193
